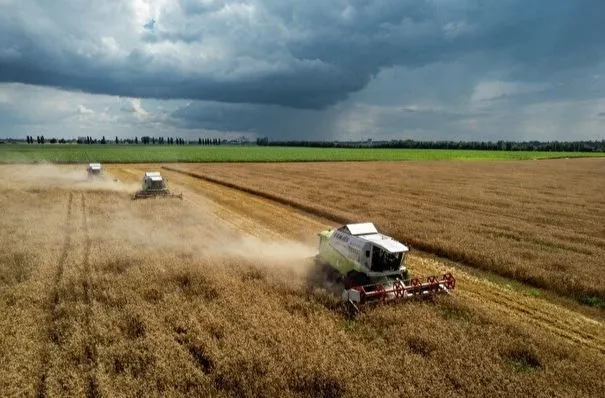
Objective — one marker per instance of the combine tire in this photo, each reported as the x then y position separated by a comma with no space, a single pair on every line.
355,278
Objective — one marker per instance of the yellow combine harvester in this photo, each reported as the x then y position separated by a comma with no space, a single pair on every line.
371,266
94,170
154,186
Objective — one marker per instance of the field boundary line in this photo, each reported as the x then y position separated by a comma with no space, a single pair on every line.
276,198
314,211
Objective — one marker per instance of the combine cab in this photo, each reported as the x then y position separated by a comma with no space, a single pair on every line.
94,170
372,266
154,186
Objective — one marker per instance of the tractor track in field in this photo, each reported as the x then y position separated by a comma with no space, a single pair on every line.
90,349
577,328
539,313
534,312
56,327
68,228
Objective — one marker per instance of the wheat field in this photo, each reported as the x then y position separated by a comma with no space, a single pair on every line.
215,295
539,222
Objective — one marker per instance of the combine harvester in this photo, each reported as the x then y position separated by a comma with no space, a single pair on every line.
372,266
95,170
154,186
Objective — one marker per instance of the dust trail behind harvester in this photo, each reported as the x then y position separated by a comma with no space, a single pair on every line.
166,227
288,256
49,176
197,233
202,235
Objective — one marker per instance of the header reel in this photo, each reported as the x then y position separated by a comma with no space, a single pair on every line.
356,297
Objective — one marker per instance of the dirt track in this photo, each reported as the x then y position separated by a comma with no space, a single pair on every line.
112,314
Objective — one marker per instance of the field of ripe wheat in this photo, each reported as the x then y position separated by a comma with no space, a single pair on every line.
214,296
539,222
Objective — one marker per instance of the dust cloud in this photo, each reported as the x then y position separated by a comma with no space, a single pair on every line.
48,176
252,247
164,227
293,257
172,227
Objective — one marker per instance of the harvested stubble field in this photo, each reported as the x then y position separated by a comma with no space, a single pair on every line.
539,222
214,296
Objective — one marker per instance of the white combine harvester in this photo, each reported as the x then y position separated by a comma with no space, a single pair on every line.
94,170
154,186
372,266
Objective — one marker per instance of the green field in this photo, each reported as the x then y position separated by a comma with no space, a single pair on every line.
74,153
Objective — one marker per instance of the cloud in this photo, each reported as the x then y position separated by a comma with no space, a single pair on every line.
458,100
398,104
307,55
257,120
84,110
439,69
149,25
133,105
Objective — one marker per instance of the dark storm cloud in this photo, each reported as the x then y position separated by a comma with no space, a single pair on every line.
308,55
544,37
262,120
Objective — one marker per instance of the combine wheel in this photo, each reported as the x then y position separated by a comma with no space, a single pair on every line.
349,283
354,279
324,271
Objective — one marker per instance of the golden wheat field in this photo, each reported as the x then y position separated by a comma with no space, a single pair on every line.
215,295
539,222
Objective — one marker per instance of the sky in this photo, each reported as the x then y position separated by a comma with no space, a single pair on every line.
304,70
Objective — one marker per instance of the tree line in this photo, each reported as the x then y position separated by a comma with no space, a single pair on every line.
145,140
553,146
41,140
